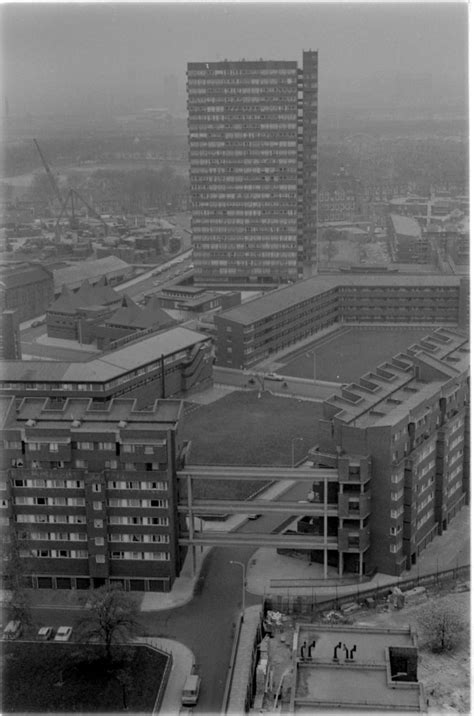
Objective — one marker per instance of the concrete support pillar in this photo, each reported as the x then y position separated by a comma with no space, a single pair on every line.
341,563
189,482
325,528
361,564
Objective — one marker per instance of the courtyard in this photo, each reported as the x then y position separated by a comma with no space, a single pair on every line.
349,353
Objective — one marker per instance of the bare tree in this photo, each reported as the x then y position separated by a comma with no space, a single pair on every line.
443,626
111,617
15,580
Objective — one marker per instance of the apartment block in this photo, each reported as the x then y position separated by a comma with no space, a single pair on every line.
400,435
89,491
163,365
249,333
253,168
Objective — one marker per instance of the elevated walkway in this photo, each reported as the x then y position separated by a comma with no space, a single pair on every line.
245,507
303,541
226,472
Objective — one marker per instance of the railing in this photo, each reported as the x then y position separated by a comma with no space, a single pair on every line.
230,673
309,603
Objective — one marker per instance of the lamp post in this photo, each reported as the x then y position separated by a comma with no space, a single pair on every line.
308,355
241,564
293,450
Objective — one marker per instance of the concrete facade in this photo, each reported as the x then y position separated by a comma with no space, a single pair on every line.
254,331
253,168
89,492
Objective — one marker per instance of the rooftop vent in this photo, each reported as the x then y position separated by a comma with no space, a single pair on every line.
31,423
122,423
76,423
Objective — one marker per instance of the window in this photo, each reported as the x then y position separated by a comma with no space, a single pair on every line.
97,505
111,464
98,524
149,450
99,541
100,558
85,446
53,447
81,463
106,446
96,487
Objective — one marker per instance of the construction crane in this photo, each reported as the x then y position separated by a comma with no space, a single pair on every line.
73,222
69,198
50,174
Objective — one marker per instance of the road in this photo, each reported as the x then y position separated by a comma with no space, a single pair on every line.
206,624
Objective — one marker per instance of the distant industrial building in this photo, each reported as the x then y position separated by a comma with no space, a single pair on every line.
10,343
90,491
171,363
255,330
28,289
73,276
253,168
408,243
340,197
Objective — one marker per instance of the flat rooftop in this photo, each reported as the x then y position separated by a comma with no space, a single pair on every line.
47,413
283,298
363,683
384,395
108,366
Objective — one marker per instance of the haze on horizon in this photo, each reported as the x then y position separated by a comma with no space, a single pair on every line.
67,58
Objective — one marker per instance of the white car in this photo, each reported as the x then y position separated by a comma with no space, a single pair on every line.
45,633
274,376
63,633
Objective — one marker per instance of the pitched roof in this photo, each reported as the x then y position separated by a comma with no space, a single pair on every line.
74,275
130,314
99,295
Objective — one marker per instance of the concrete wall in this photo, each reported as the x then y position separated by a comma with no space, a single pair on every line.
298,387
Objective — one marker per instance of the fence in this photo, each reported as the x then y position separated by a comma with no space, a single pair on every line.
310,604
230,673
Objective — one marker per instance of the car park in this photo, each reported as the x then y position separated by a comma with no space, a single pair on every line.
63,634
45,633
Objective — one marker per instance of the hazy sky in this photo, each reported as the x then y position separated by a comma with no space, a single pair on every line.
67,57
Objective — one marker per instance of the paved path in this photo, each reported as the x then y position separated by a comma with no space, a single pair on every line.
183,662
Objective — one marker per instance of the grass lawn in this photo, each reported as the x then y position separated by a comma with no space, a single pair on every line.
242,429
33,672
347,356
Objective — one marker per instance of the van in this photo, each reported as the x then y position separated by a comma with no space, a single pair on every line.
12,630
190,694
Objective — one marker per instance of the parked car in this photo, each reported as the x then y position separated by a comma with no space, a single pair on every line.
45,633
12,630
63,633
253,517
191,688
274,376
